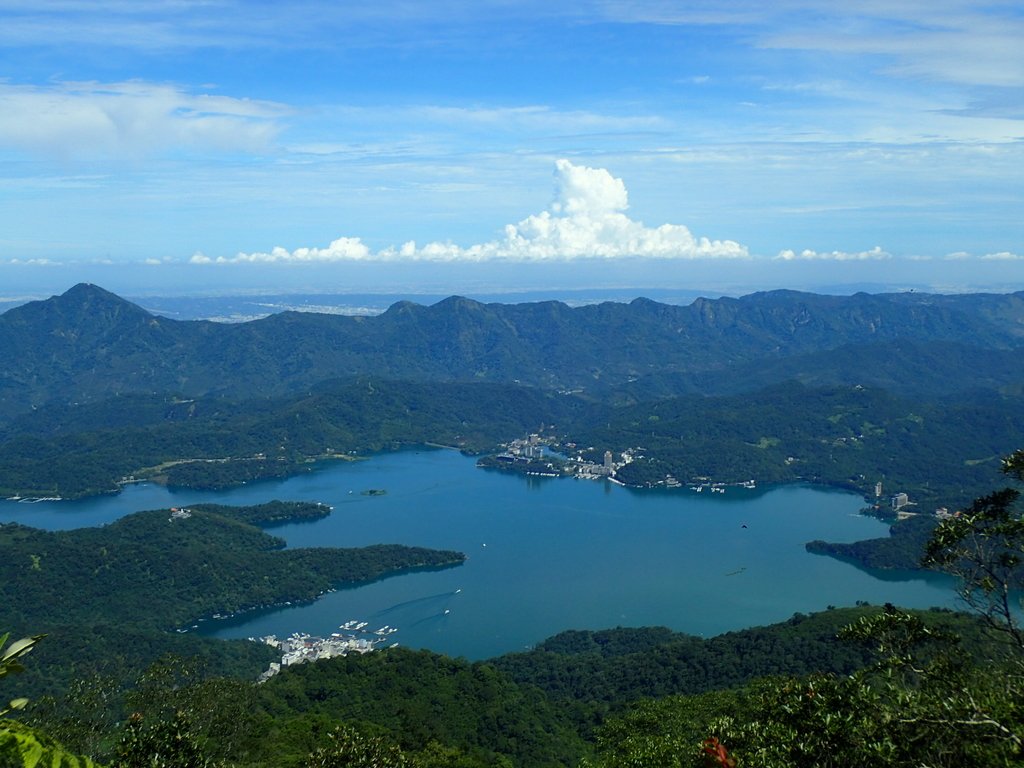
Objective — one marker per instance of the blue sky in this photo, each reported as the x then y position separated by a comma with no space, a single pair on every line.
189,146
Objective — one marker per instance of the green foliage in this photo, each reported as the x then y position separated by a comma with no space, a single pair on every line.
24,747
922,703
148,569
421,698
347,748
1013,465
163,744
269,513
221,444
664,732
171,714
20,745
608,668
984,547
9,662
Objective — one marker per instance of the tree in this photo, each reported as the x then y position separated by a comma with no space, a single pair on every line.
19,744
984,547
348,748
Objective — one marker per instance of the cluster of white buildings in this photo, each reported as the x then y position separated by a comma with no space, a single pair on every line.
300,648
529,447
901,501
589,470
179,514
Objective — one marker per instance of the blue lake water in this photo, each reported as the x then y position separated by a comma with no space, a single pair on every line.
545,555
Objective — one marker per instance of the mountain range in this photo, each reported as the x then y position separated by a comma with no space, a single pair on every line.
89,344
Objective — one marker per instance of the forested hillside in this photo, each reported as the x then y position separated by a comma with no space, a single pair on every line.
89,344
208,443
129,585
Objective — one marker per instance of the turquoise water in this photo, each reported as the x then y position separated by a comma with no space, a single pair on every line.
545,555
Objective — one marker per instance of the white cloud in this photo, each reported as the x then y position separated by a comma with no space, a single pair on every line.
999,256
586,220
342,249
534,118
957,41
875,254
86,120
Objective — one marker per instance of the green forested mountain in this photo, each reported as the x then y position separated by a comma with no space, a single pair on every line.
88,344
96,389
912,367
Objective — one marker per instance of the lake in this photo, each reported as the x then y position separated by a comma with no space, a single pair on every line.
545,554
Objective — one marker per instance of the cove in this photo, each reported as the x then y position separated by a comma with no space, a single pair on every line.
545,555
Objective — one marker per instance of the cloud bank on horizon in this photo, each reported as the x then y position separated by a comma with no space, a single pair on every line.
587,219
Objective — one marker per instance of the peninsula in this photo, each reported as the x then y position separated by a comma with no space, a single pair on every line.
154,572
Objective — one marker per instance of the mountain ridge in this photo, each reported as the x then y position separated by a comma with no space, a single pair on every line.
89,343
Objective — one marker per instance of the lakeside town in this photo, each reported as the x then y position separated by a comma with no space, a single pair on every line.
300,648
533,455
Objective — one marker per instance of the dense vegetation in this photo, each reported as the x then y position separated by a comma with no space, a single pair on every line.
921,392
69,452
130,583
614,667
902,550
941,453
635,695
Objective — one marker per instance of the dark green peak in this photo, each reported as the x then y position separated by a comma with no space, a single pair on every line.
402,308
645,305
89,296
82,303
88,290
459,303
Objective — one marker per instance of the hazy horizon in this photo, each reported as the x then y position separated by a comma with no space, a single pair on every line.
452,147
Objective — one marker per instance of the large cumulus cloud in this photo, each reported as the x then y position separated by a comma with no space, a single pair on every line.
587,219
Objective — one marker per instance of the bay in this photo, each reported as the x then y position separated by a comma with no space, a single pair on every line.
545,554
